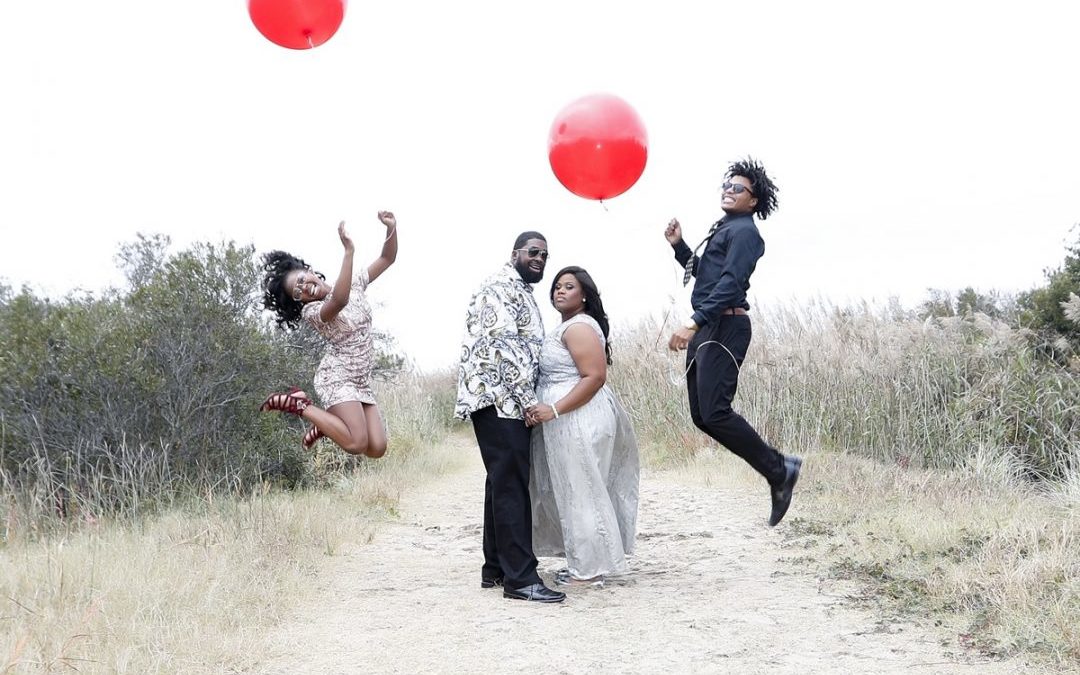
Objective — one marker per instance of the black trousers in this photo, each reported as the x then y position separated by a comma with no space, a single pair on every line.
712,377
504,446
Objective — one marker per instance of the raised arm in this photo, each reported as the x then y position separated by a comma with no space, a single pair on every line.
673,234
389,248
337,299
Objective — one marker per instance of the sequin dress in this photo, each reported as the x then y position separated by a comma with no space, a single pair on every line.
584,477
344,374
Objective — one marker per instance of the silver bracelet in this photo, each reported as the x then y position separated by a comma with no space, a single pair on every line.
555,410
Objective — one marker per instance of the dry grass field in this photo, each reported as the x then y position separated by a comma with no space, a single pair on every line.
941,479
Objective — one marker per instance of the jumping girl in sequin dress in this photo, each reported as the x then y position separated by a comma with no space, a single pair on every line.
341,314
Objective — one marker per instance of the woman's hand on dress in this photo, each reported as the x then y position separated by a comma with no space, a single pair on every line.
346,241
388,219
538,414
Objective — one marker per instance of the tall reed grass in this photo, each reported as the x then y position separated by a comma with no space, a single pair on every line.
879,383
955,493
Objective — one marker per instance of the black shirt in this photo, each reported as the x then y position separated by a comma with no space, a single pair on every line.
723,269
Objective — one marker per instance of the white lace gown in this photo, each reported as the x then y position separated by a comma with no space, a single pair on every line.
585,471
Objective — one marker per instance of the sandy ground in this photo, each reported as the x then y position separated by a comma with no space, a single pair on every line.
712,590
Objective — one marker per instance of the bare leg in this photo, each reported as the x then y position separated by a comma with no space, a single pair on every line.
331,425
347,425
376,431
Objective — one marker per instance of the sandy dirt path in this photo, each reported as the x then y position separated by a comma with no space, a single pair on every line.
712,590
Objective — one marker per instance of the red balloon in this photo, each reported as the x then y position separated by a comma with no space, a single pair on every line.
297,24
598,146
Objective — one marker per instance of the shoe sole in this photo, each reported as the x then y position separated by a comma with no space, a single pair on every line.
518,597
568,581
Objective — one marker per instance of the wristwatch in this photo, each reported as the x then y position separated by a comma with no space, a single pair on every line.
690,324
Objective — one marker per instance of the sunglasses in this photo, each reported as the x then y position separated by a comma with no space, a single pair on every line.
737,188
533,252
298,289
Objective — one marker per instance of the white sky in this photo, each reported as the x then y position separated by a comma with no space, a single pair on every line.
916,144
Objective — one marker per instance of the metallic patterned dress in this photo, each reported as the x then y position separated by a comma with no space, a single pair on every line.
584,480
344,374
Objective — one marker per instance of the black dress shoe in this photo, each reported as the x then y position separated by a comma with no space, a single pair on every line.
781,494
490,582
537,592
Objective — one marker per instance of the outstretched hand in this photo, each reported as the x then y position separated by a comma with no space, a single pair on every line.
387,218
673,232
346,241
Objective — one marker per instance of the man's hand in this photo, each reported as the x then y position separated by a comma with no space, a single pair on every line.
680,339
673,232
388,219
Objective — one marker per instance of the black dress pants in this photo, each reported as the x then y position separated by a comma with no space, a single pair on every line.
712,377
504,447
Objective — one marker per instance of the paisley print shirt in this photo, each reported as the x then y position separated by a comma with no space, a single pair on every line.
501,348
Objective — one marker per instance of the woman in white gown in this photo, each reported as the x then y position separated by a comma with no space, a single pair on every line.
584,480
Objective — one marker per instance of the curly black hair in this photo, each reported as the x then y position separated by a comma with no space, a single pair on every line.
593,305
277,298
761,186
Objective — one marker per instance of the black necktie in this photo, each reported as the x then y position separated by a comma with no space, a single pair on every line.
689,272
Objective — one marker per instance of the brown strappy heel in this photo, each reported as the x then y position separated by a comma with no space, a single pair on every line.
311,437
295,401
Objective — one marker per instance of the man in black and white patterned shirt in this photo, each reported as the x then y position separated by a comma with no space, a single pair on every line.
500,355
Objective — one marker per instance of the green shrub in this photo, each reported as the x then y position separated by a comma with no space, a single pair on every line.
1042,307
117,402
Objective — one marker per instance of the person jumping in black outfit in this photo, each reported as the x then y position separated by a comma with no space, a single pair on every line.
717,334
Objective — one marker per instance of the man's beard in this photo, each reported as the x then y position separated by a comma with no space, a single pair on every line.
528,275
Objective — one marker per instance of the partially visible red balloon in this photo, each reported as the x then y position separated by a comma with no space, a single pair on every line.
598,146
297,24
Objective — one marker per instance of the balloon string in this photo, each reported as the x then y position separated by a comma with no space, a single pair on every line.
604,205
677,288
309,41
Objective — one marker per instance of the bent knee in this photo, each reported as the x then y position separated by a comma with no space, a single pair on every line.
372,450
357,446
376,450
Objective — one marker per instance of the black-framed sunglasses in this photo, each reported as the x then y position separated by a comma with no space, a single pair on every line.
737,188
534,251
